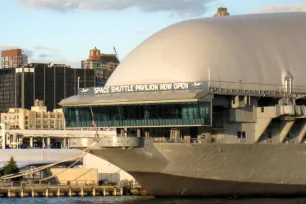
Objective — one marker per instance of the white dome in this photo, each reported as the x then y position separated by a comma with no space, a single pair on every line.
259,48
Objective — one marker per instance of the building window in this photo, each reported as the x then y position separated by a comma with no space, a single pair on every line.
176,114
262,109
241,135
269,135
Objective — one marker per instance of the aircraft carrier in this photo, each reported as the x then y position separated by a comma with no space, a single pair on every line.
206,107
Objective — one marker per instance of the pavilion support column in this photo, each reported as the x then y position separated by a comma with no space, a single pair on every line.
121,132
31,142
48,142
64,142
147,133
43,143
138,132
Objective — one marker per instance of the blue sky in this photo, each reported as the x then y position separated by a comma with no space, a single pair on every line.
63,31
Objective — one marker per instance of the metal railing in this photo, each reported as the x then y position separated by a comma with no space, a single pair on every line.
182,140
83,183
254,86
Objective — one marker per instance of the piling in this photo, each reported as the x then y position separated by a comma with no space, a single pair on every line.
58,190
69,192
93,191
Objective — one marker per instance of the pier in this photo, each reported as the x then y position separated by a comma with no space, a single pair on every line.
20,189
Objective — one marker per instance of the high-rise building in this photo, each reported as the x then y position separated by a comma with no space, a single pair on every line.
102,64
20,87
222,12
13,58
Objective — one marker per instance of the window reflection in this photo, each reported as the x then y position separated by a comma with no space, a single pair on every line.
140,115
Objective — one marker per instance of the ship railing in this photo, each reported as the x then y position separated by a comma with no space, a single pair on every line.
182,140
241,86
8,183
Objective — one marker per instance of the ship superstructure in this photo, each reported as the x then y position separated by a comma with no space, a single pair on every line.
216,107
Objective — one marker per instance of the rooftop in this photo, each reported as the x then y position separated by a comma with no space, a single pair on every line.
259,49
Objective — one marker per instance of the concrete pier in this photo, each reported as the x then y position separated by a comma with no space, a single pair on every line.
50,191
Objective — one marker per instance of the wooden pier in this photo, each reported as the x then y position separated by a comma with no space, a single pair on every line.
49,190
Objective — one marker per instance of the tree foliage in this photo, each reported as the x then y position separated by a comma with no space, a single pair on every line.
10,167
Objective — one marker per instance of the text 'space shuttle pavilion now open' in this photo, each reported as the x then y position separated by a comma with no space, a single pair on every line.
207,107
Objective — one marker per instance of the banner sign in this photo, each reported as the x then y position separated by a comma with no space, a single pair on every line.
142,88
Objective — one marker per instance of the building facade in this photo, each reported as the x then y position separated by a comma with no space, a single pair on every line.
222,12
102,64
20,87
13,58
38,118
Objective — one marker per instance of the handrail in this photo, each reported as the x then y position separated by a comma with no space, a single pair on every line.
182,140
8,183
254,86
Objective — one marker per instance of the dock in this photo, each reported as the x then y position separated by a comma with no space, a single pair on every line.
20,189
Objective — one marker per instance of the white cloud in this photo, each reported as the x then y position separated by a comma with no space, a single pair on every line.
144,32
284,8
44,48
44,54
176,7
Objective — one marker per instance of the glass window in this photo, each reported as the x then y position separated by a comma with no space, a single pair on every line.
242,135
189,114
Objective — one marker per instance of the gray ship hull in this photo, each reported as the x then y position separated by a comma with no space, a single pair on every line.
172,169
165,185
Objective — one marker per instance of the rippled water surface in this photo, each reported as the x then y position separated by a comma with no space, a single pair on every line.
148,200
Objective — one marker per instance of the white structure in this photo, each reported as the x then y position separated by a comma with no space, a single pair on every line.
241,49
92,161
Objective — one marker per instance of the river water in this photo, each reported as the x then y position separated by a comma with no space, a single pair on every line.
147,200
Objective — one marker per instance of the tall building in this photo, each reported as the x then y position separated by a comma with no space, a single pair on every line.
102,64
36,118
20,87
13,58
222,12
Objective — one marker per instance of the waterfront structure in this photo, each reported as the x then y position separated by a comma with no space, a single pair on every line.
20,87
226,117
103,65
38,118
13,58
222,12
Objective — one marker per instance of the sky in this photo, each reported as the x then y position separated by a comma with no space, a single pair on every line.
63,31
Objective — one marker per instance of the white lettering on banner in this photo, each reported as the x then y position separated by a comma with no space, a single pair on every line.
165,87
145,87
180,86
120,89
101,90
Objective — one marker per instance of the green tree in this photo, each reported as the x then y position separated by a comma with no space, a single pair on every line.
10,167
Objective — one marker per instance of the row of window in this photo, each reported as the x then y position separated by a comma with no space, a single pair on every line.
242,135
140,115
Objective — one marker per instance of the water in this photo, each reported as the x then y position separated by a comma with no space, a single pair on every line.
147,200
